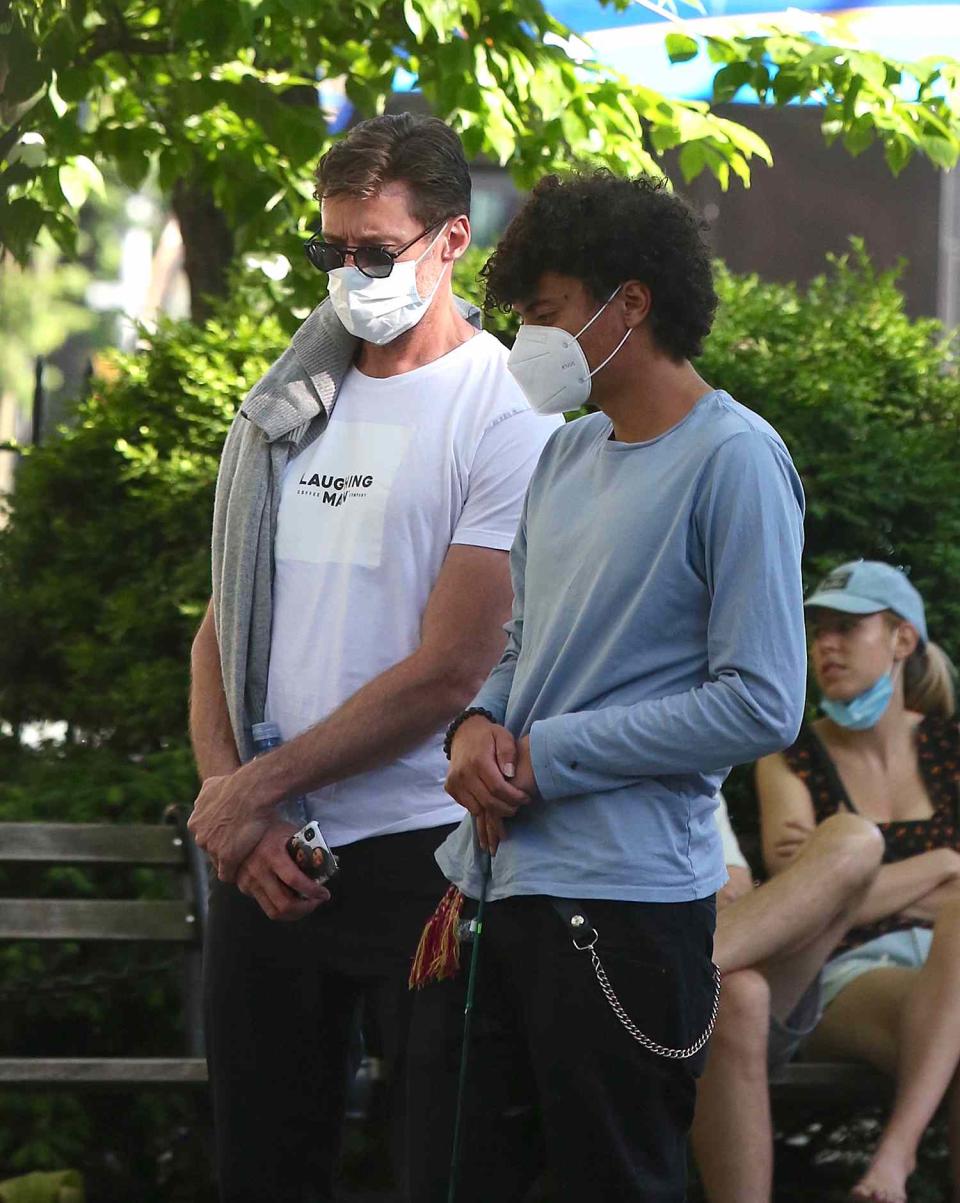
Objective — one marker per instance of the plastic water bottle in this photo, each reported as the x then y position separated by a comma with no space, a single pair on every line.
266,737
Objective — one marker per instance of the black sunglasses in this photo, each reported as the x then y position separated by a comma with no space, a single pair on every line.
373,261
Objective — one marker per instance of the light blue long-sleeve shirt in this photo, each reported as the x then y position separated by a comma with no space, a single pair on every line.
657,638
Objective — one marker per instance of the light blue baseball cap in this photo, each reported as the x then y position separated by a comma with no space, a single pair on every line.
866,587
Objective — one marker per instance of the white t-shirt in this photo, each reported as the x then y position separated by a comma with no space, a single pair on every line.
406,466
732,855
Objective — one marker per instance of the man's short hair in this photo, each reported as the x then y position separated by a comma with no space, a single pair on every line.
422,152
602,229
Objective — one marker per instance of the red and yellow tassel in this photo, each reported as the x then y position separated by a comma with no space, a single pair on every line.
438,953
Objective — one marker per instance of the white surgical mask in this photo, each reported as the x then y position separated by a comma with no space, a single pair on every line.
549,365
378,311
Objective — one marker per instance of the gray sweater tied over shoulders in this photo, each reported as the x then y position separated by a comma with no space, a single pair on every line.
282,414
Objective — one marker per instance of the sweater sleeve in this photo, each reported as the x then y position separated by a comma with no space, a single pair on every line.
748,516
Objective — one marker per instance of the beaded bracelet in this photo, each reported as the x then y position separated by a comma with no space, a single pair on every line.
458,723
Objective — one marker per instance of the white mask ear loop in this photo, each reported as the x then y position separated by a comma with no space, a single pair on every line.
433,291
435,240
432,294
599,311
612,353
593,319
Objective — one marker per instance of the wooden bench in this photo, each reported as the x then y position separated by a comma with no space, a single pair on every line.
178,922
829,1086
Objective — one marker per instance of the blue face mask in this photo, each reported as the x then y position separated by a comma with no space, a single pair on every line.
865,710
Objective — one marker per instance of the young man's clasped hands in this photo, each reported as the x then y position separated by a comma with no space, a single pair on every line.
491,776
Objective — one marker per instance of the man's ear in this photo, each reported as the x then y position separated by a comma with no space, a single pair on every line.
458,238
636,301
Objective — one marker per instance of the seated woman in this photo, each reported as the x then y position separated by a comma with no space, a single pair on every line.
888,749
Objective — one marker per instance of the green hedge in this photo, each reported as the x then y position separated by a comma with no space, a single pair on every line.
868,401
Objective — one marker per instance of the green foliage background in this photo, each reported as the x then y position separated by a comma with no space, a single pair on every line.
104,572
868,401
218,103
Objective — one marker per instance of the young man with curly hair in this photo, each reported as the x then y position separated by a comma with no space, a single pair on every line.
657,638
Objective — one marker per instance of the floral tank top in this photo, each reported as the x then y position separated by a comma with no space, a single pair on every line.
938,753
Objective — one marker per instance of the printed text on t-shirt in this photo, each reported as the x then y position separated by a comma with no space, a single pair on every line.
336,489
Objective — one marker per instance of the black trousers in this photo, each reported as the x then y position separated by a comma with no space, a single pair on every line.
553,1077
281,1003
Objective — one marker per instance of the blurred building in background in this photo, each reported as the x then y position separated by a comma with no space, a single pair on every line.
814,197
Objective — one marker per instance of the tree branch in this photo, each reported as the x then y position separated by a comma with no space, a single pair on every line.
110,41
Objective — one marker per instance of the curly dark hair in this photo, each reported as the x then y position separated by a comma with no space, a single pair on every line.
603,229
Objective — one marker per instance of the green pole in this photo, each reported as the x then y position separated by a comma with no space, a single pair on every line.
465,1050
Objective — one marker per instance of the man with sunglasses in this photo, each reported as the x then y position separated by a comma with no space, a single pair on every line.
368,494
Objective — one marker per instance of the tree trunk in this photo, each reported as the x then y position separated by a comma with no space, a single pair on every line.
207,245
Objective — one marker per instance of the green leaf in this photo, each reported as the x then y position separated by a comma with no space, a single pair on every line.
729,80
208,22
692,159
59,47
413,18
941,151
132,151
681,48
79,177
786,86
25,78
20,222
74,83
860,135
871,66
442,17
898,152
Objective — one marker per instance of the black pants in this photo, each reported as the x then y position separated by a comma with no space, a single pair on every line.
554,1077
281,1002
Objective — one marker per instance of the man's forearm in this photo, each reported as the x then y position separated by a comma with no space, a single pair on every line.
389,715
211,733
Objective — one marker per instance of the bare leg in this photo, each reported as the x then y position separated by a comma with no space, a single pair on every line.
787,929
791,924
731,1132
905,1021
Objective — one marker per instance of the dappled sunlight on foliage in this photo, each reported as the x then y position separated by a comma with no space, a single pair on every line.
868,401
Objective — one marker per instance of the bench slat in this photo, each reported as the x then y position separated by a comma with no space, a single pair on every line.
830,1083
109,1071
60,919
77,843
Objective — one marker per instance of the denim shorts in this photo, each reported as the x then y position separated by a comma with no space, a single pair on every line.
906,949
786,1035
902,949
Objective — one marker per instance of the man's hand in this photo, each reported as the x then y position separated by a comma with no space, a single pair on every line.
740,883
227,822
270,876
490,831
482,759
